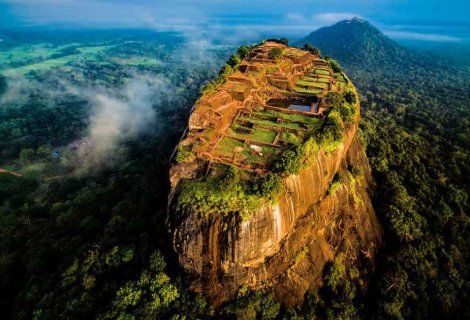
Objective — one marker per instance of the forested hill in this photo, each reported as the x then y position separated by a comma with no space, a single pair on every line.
356,41
415,120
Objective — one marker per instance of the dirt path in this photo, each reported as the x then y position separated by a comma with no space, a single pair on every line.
16,174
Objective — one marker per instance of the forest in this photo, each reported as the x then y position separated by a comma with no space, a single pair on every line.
83,231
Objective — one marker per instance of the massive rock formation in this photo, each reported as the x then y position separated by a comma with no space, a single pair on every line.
281,246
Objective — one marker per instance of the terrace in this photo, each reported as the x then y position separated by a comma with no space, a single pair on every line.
264,108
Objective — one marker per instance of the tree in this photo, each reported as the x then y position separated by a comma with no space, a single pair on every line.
312,49
334,99
234,60
339,291
334,65
183,155
350,97
243,52
3,84
26,155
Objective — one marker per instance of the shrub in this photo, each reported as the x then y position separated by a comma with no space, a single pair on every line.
269,186
350,97
284,41
331,134
334,98
312,49
334,65
356,171
183,155
347,112
234,60
226,194
225,71
243,52
219,195
275,53
281,41
291,161
336,182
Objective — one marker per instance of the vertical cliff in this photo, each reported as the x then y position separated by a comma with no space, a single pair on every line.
283,115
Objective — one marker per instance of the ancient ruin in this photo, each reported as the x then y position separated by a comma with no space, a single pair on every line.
266,103
279,99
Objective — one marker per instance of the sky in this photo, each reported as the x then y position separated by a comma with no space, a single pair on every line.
431,20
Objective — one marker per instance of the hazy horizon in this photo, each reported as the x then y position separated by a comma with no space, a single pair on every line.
401,20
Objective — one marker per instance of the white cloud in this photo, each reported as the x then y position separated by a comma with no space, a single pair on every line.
332,17
295,16
406,35
117,115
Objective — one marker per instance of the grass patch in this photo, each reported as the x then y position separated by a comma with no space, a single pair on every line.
303,82
263,135
324,72
290,117
228,145
274,124
291,138
259,135
309,91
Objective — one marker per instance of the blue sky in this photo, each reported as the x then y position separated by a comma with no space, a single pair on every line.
432,20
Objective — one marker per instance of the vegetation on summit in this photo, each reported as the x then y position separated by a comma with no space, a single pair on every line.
253,65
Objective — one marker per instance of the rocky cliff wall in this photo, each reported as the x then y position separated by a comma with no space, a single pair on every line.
284,247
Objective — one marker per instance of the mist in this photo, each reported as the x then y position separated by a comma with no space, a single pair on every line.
118,115
115,115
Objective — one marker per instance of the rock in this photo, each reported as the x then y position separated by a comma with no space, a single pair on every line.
284,247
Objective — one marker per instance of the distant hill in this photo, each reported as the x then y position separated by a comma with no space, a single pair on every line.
356,42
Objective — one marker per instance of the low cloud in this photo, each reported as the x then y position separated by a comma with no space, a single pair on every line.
20,88
406,35
115,116
332,17
295,17
118,115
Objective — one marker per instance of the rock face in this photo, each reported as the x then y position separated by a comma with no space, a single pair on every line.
283,247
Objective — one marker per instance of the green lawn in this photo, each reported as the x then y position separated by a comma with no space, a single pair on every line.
259,135
324,79
322,71
309,91
290,117
227,145
289,125
306,82
263,135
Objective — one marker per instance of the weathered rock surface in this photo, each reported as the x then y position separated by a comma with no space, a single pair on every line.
282,248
